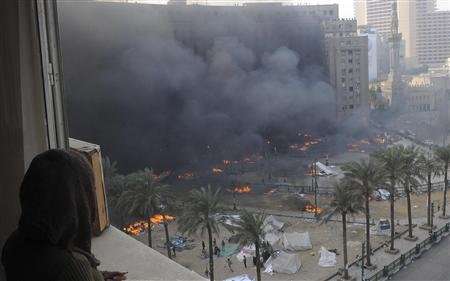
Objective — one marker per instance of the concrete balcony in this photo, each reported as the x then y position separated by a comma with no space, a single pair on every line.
119,252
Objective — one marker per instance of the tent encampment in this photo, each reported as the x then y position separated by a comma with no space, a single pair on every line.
296,241
327,258
272,224
273,237
282,262
243,277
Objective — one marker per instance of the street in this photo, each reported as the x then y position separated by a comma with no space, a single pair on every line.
432,265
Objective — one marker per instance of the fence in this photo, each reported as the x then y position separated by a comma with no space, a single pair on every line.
409,256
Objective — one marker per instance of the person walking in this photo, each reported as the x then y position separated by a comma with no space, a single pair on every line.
223,245
214,242
229,264
203,245
245,262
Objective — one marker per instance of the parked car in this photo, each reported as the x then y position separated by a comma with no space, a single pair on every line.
381,194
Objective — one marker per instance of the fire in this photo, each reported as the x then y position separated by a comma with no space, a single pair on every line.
226,162
217,171
242,189
160,218
309,142
138,227
312,209
186,176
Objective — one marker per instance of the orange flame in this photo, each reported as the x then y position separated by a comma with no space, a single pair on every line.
312,209
186,176
217,171
138,227
242,189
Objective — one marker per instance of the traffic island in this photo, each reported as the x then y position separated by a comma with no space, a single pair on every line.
392,251
412,238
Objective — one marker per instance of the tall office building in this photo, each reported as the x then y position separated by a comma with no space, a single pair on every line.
425,31
347,55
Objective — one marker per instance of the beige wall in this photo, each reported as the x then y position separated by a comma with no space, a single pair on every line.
360,11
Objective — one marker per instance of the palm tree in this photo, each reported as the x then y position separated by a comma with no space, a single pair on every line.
409,179
365,176
143,197
390,161
443,154
200,214
249,229
429,169
346,201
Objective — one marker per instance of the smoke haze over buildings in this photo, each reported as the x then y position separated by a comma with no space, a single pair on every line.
168,89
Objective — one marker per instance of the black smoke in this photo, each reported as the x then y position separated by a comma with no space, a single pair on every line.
167,87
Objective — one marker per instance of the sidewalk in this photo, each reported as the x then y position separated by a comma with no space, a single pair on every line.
380,258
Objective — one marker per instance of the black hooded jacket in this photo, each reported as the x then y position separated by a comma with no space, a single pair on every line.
55,224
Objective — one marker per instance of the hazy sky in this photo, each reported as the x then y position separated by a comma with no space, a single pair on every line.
345,6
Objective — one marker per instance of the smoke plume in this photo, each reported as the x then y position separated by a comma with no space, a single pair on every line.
166,87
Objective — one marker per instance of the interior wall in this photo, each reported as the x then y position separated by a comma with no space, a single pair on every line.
11,128
22,125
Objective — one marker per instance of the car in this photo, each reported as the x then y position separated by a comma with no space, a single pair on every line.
381,194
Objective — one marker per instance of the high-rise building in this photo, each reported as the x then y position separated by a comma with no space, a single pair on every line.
347,55
425,31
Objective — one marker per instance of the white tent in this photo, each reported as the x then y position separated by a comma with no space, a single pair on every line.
296,241
327,258
272,224
273,237
325,170
243,277
282,262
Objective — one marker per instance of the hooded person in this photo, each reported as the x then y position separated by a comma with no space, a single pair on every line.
53,239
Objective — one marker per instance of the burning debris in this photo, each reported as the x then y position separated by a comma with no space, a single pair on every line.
141,226
217,171
365,145
308,143
242,189
312,209
186,176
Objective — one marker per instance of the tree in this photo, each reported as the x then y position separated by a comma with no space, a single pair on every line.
249,229
200,214
443,154
429,169
142,198
409,179
390,161
365,176
346,201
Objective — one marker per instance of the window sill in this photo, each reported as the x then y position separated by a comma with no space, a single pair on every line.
119,252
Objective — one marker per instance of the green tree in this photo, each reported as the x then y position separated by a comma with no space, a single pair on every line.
200,214
365,176
249,229
346,201
429,169
142,198
391,164
443,154
409,178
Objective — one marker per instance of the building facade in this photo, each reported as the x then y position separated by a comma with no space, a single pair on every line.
347,55
425,31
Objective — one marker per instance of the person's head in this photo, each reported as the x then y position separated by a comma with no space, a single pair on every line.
55,203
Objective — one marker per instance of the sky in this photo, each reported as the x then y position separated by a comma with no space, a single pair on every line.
345,6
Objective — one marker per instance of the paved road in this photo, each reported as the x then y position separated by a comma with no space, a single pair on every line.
432,265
